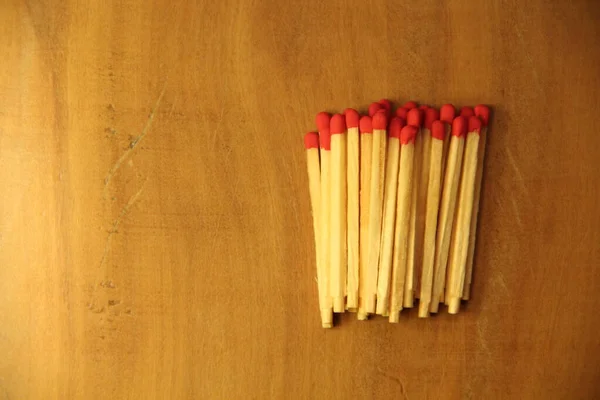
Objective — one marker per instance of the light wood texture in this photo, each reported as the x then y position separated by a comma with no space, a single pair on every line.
431,219
353,209
314,184
402,229
338,215
375,217
422,208
409,281
366,155
207,289
462,223
446,219
475,213
387,231
325,304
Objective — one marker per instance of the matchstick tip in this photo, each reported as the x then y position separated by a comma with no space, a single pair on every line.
447,113
380,120
396,125
402,112
459,126
423,107
311,140
438,130
483,112
326,318
352,118
374,107
467,112
410,104
454,305
366,124
414,117
337,124
408,134
322,121
431,114
475,124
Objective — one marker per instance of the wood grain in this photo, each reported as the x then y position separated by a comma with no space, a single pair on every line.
155,226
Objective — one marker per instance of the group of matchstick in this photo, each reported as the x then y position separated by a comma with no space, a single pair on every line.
395,198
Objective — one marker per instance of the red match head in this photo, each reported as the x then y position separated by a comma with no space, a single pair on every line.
459,126
352,118
467,112
414,117
438,130
311,140
396,125
402,113
373,108
337,124
380,121
385,103
483,112
423,107
408,134
366,124
475,124
431,114
410,104
323,121
447,113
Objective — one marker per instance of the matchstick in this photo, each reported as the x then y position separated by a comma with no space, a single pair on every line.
376,207
389,215
464,210
415,119
366,154
483,112
353,183
447,208
402,224
466,112
438,133
338,212
325,143
430,115
311,142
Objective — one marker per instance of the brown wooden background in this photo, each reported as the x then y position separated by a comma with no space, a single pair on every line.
155,228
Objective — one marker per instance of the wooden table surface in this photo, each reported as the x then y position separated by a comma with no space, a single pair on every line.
155,225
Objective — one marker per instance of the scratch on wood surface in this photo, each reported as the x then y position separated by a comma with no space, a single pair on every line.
395,379
532,64
515,166
501,281
136,141
215,133
117,222
481,329
517,211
